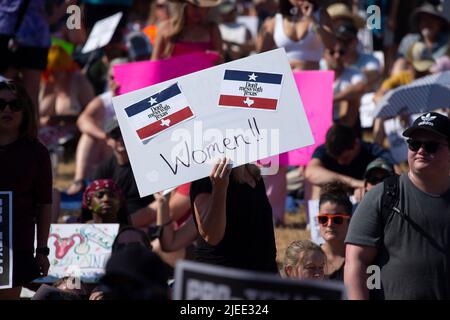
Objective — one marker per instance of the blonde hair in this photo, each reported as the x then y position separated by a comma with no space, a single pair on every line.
176,22
295,253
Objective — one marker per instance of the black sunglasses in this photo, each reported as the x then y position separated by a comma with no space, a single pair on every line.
15,105
428,146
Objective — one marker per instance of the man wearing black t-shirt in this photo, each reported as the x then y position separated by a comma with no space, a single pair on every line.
344,158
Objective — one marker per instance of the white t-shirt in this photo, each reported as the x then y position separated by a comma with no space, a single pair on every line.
350,76
367,62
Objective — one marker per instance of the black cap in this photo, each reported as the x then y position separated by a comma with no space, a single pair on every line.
433,122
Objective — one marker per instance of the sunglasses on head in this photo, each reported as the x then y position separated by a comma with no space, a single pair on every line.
428,146
337,218
14,105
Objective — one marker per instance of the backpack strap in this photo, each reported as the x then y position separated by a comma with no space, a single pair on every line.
391,197
12,43
390,200
21,14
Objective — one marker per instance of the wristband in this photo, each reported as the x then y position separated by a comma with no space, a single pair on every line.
43,250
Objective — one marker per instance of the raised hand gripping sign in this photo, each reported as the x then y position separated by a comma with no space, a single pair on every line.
179,154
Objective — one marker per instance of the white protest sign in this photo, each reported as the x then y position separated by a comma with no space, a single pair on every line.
198,281
187,152
79,250
313,212
6,240
366,109
102,33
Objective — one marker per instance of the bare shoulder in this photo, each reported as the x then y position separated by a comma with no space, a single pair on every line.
165,28
268,25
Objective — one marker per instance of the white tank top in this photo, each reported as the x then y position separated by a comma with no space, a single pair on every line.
106,98
310,48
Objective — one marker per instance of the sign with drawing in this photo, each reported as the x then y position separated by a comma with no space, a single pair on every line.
79,248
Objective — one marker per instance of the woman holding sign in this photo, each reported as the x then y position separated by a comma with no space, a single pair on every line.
234,219
188,30
25,171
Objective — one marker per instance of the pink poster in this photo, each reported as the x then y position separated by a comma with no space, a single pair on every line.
138,75
316,92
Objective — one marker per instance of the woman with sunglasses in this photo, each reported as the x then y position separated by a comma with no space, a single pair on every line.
335,210
25,172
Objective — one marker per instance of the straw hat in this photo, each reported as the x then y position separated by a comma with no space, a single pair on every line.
340,10
420,56
430,9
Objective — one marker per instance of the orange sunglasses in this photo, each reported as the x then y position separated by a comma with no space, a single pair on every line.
336,218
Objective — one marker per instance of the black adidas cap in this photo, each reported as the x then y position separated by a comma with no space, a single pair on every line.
433,122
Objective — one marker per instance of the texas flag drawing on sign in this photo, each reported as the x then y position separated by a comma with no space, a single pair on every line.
251,90
159,112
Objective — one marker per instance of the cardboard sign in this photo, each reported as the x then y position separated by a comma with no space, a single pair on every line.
138,75
79,250
6,252
102,33
188,152
197,281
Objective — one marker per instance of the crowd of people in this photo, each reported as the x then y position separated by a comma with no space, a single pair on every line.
374,209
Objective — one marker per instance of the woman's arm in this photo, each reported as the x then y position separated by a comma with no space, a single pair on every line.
325,29
264,40
85,91
171,240
89,120
216,40
161,42
210,209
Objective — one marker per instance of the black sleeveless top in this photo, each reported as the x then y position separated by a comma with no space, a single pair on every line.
249,240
